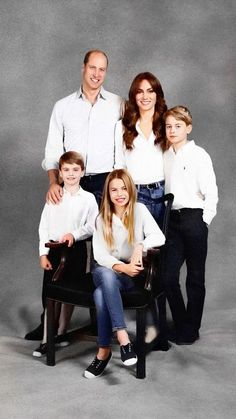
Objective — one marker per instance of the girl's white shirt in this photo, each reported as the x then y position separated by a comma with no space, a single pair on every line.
146,232
144,162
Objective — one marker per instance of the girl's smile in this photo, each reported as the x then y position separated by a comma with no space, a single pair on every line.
118,195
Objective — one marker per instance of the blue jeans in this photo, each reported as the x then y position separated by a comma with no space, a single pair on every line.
108,301
149,197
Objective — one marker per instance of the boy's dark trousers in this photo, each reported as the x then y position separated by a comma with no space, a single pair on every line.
187,241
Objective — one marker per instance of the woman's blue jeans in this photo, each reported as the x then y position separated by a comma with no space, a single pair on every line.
108,301
149,197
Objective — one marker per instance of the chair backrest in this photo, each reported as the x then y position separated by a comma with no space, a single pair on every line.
168,200
155,255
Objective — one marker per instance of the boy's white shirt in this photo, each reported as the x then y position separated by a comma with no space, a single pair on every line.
146,230
75,214
190,176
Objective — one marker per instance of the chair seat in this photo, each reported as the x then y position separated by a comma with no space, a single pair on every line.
80,293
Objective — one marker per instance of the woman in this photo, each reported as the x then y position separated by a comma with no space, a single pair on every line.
139,141
123,230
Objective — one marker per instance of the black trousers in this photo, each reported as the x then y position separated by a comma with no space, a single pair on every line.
94,184
75,268
186,242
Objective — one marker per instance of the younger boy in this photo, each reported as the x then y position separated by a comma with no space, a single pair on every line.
189,175
72,220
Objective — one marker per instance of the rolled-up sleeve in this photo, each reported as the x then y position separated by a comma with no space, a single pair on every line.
54,145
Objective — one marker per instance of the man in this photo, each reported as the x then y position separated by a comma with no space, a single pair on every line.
84,122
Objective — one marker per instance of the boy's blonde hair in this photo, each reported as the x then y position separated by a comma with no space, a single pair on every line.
71,157
180,113
107,207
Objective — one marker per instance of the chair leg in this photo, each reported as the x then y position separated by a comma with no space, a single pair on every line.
140,344
50,332
162,342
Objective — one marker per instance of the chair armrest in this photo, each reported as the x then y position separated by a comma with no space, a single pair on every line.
56,245
59,273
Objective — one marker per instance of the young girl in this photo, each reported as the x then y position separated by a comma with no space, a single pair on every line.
124,229
189,175
139,139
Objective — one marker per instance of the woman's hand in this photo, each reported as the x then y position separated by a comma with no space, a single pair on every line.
45,263
67,237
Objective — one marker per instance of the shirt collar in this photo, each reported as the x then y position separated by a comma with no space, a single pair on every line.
101,94
79,192
188,146
139,131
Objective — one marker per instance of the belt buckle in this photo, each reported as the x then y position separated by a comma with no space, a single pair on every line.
153,185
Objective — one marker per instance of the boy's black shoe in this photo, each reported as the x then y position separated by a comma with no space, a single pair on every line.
187,340
41,350
97,367
36,334
128,356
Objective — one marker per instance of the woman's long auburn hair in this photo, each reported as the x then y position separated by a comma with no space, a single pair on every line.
107,207
131,112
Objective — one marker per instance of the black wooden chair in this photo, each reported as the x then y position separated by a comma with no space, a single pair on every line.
80,293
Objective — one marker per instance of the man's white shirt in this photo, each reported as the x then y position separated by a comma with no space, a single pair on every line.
77,125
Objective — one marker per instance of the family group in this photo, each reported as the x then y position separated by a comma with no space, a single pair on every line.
109,161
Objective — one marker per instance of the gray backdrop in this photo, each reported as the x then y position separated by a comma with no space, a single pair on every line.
189,45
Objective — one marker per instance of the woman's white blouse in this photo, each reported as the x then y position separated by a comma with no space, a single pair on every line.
144,162
146,230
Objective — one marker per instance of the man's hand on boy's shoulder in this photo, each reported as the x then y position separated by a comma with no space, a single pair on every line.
54,194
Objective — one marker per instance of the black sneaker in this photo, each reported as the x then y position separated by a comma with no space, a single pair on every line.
36,334
128,356
97,367
62,341
41,350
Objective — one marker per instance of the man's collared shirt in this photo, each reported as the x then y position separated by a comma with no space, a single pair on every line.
77,125
144,162
75,214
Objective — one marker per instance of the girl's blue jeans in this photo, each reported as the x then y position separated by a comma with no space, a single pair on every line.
108,301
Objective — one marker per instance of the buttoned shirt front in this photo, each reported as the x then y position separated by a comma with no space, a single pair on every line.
189,175
75,214
144,162
146,231
77,125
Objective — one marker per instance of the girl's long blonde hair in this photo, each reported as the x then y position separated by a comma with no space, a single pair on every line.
107,207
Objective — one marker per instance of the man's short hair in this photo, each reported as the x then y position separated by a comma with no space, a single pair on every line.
87,55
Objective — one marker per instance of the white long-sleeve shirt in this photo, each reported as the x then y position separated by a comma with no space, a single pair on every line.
77,125
189,175
75,214
146,231
144,162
